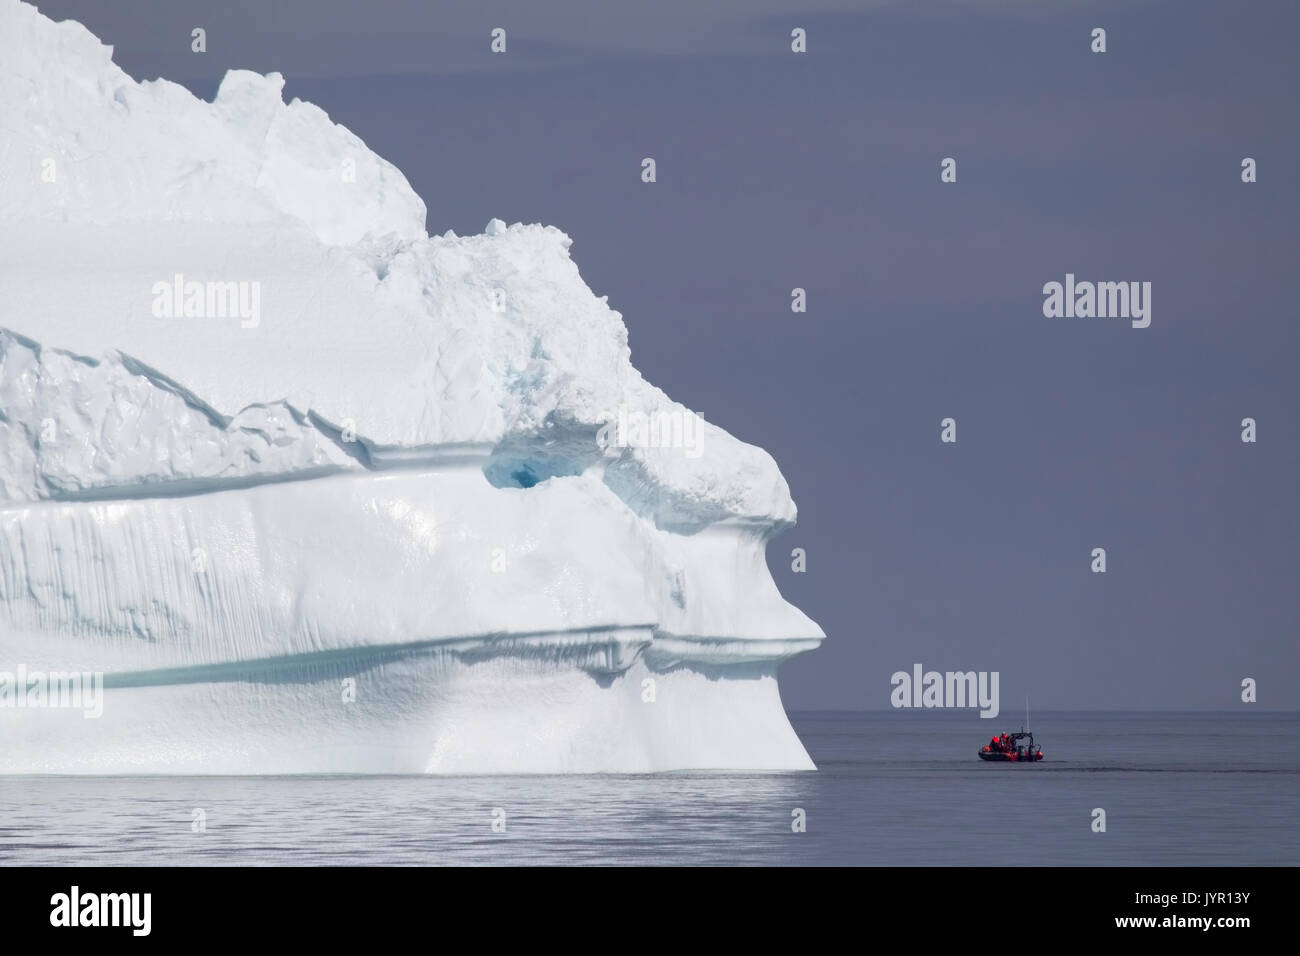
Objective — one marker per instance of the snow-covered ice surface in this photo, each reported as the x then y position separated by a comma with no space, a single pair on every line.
317,491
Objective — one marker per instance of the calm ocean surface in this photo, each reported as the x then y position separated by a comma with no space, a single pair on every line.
902,787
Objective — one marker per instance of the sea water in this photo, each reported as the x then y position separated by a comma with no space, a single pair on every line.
898,787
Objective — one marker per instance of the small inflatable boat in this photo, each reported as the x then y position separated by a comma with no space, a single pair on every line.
1012,748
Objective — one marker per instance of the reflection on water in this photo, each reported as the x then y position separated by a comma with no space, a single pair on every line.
902,787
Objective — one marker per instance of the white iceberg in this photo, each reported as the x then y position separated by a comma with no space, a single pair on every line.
371,524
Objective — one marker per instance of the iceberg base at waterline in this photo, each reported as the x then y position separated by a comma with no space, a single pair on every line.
475,709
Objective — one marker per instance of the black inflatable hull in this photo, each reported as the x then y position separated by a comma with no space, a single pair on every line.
1007,758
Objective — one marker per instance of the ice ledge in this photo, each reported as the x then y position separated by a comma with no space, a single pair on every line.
602,652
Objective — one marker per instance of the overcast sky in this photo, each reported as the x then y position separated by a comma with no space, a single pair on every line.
821,171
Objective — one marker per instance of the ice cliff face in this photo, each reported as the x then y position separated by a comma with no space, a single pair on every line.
261,438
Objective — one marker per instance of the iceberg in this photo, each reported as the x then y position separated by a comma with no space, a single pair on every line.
310,490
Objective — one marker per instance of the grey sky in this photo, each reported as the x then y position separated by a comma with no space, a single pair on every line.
822,171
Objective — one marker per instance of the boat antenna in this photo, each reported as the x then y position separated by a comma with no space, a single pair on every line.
1026,712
